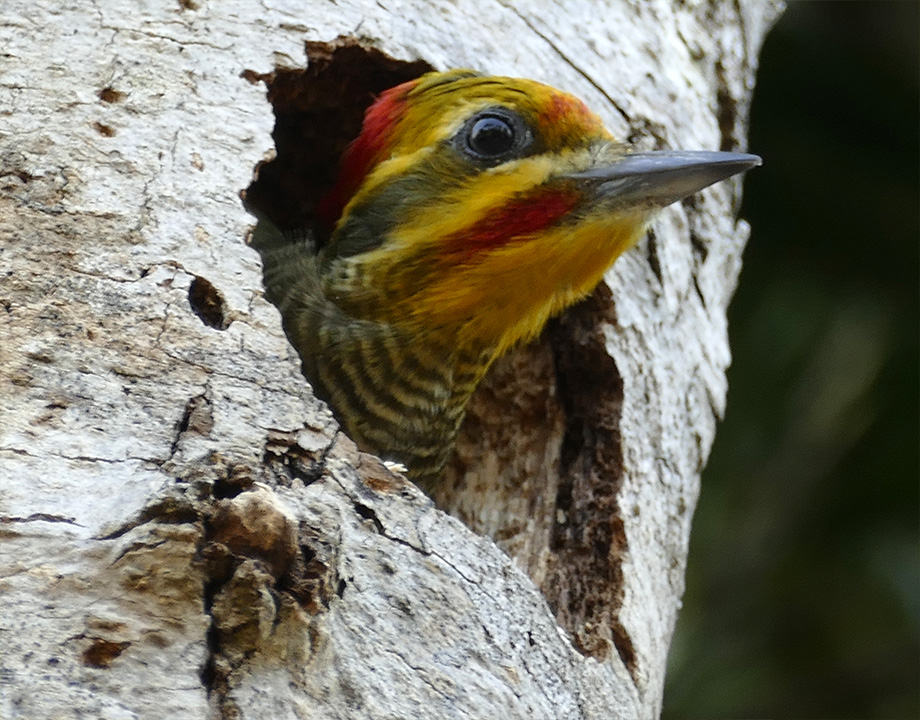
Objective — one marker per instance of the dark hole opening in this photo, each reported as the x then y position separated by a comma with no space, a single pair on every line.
318,112
208,303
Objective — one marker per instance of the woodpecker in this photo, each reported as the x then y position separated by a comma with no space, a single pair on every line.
469,211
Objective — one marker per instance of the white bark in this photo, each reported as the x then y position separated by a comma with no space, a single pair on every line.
184,533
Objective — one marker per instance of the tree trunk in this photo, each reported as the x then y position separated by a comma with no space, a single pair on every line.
186,534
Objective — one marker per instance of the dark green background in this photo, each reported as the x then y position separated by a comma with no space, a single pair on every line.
803,589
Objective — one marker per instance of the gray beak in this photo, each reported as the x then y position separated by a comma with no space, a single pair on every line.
662,177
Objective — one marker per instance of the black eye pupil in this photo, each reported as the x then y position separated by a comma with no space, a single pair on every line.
491,136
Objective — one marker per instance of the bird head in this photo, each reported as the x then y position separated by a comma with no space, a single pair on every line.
482,206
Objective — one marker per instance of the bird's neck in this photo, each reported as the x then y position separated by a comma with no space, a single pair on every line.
399,394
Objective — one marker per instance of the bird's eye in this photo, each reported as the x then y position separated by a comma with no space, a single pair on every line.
495,135
491,137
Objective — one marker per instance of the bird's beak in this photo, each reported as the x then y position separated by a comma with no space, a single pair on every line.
659,178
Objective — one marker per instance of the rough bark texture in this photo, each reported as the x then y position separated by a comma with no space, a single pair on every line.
185,534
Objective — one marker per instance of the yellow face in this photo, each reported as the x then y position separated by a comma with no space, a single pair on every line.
464,214
436,106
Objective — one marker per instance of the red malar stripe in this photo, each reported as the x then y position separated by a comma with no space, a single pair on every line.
524,216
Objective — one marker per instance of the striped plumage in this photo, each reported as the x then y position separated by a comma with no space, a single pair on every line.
398,392
470,210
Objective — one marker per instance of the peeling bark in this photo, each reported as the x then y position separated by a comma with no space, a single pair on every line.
185,531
